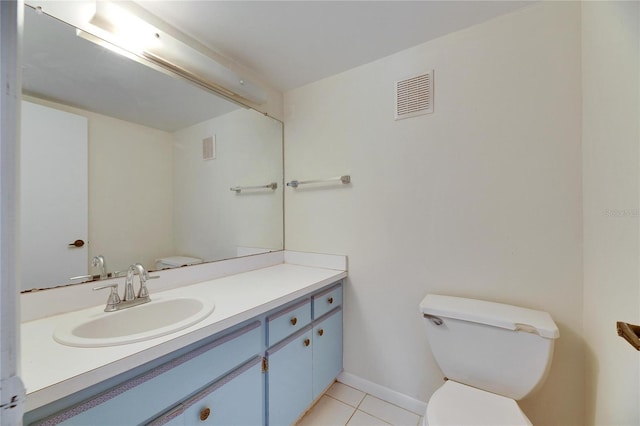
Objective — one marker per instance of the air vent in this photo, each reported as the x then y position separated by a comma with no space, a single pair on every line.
209,148
414,96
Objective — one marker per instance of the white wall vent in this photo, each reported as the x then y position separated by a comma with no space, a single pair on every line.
414,96
209,148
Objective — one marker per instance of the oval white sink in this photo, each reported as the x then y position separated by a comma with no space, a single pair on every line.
135,324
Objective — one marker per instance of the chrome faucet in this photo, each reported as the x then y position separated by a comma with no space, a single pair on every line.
114,303
129,294
144,276
99,262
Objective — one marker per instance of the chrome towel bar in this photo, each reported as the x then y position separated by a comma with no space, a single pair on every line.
272,186
343,179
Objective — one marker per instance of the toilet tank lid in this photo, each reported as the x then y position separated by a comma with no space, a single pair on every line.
491,313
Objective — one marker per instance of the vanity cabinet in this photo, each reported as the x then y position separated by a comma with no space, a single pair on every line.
301,367
267,370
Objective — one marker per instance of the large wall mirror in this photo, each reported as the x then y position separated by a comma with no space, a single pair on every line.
123,161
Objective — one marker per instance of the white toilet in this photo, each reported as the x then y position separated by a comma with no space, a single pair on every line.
492,355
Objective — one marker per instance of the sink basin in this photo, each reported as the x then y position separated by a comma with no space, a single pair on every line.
154,319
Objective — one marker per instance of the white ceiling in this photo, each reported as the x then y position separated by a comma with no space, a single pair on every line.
292,43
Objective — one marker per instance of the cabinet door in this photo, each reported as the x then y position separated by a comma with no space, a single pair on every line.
289,379
54,181
327,351
235,400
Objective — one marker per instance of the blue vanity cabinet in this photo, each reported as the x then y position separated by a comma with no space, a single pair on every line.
301,367
265,371
235,400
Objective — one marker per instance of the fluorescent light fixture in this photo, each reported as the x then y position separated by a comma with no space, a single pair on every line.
125,29
107,45
119,30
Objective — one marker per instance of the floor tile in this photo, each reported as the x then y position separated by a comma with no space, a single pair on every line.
360,418
328,412
346,394
388,412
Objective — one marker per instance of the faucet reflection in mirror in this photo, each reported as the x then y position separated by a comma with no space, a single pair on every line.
99,262
151,125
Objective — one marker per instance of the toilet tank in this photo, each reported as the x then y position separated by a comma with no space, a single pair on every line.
499,348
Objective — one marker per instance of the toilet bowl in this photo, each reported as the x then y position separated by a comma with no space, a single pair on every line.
455,404
491,355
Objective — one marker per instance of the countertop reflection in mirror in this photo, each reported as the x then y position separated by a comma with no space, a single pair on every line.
154,159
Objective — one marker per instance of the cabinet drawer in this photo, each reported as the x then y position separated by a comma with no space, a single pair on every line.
151,393
286,322
326,301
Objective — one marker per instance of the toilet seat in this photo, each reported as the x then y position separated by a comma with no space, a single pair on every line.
456,404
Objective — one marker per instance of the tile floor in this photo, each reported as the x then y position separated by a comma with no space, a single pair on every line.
343,405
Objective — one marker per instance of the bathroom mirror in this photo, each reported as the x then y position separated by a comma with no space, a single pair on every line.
152,173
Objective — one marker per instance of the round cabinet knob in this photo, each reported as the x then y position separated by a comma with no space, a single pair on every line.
294,321
330,300
204,413
320,332
307,342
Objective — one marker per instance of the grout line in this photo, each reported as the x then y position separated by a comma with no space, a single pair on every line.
350,417
342,402
360,403
372,415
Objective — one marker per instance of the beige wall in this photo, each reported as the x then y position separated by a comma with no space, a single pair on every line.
481,199
210,221
130,192
610,90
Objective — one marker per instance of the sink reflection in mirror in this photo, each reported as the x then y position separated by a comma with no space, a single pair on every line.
154,319
149,174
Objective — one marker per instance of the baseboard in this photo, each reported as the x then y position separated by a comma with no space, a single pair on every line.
384,393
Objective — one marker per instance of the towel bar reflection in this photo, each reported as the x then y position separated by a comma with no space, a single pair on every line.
273,186
343,179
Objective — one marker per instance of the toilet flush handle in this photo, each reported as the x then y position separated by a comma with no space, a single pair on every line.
434,319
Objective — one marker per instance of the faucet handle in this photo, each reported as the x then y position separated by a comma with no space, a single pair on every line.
114,298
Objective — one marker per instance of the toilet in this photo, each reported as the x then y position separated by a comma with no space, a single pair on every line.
176,262
491,354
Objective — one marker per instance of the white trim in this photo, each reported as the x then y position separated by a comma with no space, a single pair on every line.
401,400
12,393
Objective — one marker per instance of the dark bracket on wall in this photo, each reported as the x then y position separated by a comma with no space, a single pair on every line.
630,333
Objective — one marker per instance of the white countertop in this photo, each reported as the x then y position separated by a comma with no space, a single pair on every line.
51,370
